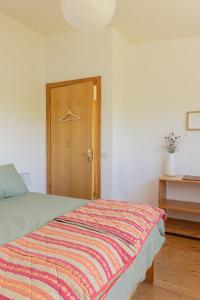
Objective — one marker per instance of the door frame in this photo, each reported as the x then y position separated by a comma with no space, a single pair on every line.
96,131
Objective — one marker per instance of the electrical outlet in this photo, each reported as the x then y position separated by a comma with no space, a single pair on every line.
26,178
104,155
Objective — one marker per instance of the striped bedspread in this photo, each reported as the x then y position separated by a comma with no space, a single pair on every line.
77,256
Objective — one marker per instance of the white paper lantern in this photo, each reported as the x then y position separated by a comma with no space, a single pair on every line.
88,15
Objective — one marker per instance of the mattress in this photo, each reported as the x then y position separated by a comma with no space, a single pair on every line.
23,214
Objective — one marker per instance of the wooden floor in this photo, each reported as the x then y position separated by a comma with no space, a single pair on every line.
177,272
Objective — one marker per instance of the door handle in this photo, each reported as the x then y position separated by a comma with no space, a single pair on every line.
90,155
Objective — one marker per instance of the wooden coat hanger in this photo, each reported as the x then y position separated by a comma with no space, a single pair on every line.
69,116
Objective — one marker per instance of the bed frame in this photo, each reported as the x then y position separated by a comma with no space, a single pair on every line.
150,275
149,278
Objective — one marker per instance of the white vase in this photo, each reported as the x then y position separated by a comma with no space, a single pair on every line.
170,165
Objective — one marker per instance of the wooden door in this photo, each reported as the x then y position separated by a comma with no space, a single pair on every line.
73,138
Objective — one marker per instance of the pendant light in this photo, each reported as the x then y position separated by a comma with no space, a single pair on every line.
88,15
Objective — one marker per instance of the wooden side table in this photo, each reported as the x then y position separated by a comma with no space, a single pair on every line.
177,226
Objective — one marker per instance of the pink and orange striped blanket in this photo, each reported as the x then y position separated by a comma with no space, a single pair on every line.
78,255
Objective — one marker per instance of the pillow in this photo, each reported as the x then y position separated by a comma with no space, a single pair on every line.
11,183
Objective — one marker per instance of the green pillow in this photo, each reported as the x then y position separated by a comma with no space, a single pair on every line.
11,183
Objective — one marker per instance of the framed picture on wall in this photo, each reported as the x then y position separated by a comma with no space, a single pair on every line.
193,120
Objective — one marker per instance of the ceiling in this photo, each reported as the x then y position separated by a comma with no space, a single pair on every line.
137,20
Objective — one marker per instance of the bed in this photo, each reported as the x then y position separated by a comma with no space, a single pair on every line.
25,213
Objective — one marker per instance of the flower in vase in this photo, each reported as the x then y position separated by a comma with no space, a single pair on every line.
172,142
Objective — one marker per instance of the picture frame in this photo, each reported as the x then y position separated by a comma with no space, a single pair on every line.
193,120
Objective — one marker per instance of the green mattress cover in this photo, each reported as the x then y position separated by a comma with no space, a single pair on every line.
136,273
22,214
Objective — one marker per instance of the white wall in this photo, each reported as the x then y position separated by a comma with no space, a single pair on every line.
75,56
146,90
22,117
158,82
120,131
